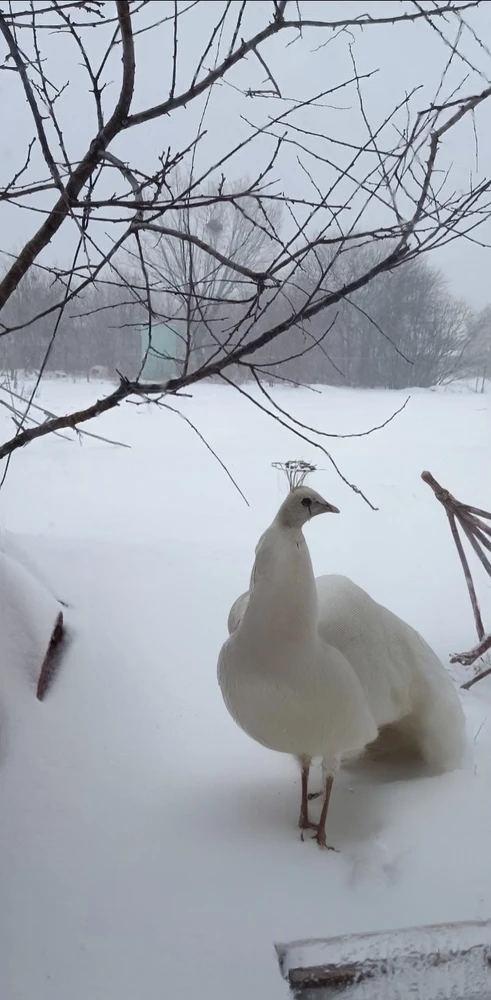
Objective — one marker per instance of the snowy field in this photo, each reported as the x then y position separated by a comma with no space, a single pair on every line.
148,848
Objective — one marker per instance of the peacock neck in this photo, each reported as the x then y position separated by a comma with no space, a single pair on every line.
283,596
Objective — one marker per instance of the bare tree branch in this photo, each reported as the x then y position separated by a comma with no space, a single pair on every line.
238,270
81,174
259,276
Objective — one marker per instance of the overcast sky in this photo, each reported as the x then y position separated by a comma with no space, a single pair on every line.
404,56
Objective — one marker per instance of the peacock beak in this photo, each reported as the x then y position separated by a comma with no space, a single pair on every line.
330,508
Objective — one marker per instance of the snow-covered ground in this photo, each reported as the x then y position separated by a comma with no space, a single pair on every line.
148,848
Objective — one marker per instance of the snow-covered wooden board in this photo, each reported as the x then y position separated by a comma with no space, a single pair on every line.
440,962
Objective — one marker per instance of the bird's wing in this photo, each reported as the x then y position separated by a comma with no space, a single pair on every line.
236,612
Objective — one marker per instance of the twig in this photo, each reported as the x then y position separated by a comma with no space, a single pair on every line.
468,577
207,445
78,430
268,72
478,677
314,430
85,168
467,659
259,276
17,421
314,444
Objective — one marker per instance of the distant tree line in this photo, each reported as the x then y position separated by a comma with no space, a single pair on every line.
403,329
99,330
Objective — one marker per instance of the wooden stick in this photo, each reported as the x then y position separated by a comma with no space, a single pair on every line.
476,520
477,511
467,574
469,520
448,500
467,659
474,680
475,545
480,530
443,495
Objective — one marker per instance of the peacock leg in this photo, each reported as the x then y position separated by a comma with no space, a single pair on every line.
304,821
328,770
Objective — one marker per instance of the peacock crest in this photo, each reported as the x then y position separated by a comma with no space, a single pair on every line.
296,471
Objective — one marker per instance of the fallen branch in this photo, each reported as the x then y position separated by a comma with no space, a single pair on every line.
467,659
474,680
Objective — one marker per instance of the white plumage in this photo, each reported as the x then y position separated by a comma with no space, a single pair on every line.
406,685
316,668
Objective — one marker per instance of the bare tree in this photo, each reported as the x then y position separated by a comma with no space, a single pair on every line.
480,347
196,287
374,177
402,329
103,332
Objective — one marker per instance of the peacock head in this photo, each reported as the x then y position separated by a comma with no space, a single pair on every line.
301,505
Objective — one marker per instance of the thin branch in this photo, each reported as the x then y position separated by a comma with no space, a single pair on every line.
16,56
268,72
258,276
467,659
49,413
478,677
315,444
207,445
81,174
252,44
314,430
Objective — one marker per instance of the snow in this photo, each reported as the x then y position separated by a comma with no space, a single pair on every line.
148,848
28,613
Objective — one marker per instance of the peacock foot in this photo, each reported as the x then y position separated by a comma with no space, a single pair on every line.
305,824
320,837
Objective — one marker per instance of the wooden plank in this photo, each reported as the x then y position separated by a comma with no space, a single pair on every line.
439,962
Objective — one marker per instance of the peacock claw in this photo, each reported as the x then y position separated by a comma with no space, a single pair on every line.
305,824
321,840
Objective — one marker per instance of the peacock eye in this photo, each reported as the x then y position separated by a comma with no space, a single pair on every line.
306,501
